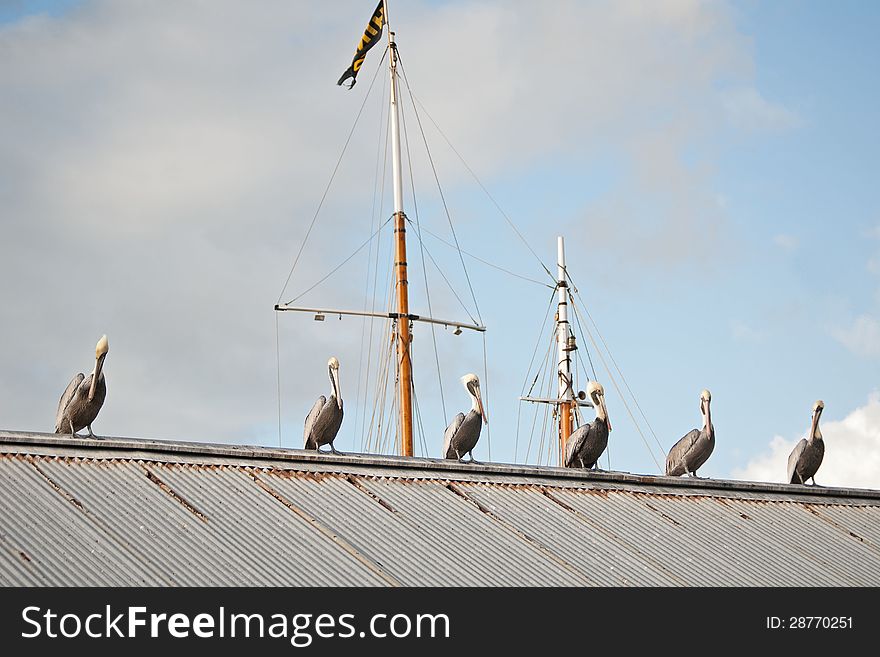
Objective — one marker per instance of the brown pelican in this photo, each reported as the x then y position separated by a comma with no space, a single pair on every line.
463,432
84,396
586,444
325,418
692,451
806,457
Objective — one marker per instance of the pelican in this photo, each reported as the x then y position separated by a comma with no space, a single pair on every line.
325,418
463,432
806,457
586,444
694,449
84,396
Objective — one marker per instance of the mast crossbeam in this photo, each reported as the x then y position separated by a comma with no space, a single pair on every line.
389,315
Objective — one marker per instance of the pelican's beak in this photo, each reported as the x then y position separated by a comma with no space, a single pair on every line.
480,404
815,422
99,365
334,378
605,410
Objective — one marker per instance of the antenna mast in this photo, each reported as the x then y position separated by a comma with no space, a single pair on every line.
566,402
565,345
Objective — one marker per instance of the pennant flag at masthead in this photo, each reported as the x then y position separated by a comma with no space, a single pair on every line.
371,35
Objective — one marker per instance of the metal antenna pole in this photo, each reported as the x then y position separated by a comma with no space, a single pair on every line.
564,346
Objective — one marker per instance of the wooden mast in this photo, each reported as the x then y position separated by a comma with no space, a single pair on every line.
404,360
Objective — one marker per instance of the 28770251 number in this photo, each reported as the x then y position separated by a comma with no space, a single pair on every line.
810,622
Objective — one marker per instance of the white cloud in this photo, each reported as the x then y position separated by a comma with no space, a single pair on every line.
852,452
747,109
862,337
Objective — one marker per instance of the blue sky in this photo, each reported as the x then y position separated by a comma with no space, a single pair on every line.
713,167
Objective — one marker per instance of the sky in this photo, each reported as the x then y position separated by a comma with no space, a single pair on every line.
713,167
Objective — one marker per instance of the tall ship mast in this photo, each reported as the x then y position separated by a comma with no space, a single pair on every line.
404,353
403,319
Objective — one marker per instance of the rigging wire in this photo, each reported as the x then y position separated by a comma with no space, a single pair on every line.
482,186
332,177
529,369
375,214
543,372
343,263
440,190
278,368
623,398
619,371
547,407
418,226
448,283
487,388
379,345
457,246
421,426
486,262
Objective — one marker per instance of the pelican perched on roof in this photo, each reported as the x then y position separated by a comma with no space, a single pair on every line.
463,432
325,418
806,457
586,444
84,396
692,451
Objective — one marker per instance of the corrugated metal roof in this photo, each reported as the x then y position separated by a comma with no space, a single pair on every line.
138,512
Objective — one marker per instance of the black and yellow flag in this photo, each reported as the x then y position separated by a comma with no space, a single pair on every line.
371,35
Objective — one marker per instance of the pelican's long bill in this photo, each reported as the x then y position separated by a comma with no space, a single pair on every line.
334,379
472,385
817,411
605,411
480,403
705,411
100,354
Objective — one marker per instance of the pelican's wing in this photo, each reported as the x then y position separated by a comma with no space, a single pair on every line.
794,457
450,432
680,449
311,418
575,443
69,392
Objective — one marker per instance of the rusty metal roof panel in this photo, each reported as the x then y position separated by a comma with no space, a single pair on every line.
369,523
129,512
733,551
586,544
478,550
834,554
271,545
56,538
862,521
678,545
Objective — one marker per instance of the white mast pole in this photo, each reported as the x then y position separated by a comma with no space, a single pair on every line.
395,120
563,332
